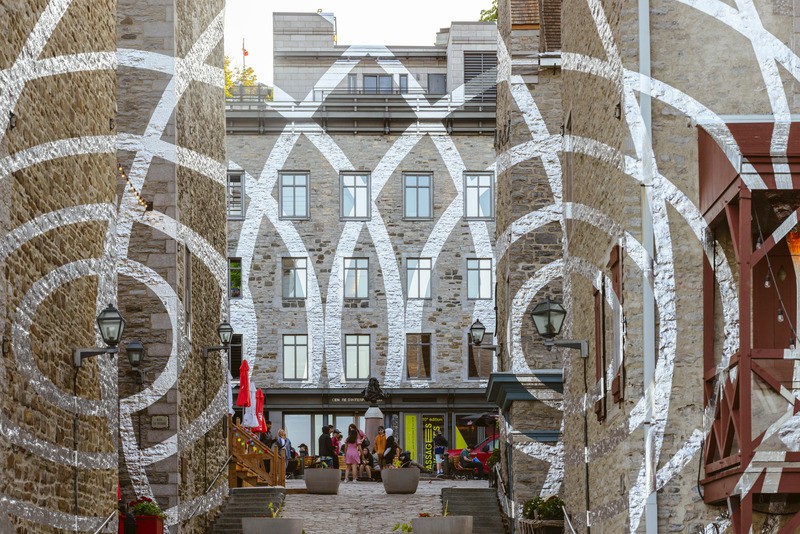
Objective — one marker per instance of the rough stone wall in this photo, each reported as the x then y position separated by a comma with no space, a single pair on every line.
171,125
529,242
149,27
48,299
446,315
683,39
201,204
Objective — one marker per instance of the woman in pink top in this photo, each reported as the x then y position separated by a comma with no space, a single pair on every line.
352,455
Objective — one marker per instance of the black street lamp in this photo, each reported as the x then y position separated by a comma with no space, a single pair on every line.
476,332
548,318
111,325
136,352
225,333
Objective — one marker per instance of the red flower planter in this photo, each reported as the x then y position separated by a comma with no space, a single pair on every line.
149,524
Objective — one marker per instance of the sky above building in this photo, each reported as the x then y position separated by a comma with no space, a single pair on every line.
361,22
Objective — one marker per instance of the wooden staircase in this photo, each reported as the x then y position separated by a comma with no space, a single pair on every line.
248,467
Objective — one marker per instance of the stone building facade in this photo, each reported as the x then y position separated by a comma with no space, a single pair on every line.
529,248
685,407
651,123
361,224
87,87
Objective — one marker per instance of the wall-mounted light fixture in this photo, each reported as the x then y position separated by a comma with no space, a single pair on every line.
111,325
548,318
12,120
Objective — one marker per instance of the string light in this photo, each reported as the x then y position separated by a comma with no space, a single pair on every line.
793,242
142,202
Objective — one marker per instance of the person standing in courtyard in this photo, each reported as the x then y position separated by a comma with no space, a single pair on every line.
352,454
336,437
380,445
439,446
285,445
390,452
325,447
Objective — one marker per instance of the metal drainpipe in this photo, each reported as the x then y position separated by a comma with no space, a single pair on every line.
648,240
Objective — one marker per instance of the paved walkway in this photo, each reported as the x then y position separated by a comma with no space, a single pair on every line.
364,508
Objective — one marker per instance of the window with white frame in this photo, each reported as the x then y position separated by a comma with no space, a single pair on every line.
352,83
235,195
235,277
294,277
295,357
356,278
356,356
418,356
355,194
418,277
479,195
294,195
417,196
479,278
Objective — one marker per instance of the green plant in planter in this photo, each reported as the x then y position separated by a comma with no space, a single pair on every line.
146,506
406,527
276,512
493,458
539,508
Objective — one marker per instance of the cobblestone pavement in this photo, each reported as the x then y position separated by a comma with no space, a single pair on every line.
364,508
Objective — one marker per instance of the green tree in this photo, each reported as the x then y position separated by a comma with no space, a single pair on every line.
489,15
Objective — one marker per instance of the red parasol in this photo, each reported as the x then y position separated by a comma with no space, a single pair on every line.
244,385
262,423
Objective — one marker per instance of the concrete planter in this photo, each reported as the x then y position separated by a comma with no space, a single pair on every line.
403,480
258,525
322,481
452,524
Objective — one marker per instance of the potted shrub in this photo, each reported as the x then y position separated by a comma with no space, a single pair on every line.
547,515
273,523
400,480
149,517
444,524
322,479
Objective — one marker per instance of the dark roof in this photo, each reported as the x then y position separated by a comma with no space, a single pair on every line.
550,35
524,12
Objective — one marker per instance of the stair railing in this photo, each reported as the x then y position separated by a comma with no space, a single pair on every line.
506,503
249,453
208,489
109,518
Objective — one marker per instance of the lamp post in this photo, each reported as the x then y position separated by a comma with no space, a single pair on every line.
111,325
225,333
548,318
475,335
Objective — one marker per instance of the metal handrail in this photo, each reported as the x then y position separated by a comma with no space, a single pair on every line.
208,489
109,518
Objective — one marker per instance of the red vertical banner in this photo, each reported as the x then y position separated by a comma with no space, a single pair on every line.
430,424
